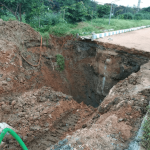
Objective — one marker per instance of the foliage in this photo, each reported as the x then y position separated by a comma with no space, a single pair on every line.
146,16
96,25
46,20
138,16
103,10
145,10
76,13
121,16
146,135
8,16
128,16
60,62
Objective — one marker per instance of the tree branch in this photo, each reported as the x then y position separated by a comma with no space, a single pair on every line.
16,9
9,10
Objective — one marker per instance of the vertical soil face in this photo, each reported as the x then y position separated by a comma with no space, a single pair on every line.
91,69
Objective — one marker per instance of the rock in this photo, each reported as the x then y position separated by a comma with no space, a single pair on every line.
108,61
110,39
79,142
84,126
8,79
28,77
112,135
13,102
1,75
34,128
41,99
1,22
4,125
6,108
120,120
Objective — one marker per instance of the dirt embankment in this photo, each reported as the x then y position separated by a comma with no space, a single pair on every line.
29,101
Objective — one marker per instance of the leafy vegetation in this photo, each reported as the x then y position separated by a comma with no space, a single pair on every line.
146,135
96,25
60,62
71,17
103,10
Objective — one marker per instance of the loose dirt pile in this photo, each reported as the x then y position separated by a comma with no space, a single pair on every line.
42,117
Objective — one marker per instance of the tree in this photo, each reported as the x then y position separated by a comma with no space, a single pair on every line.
16,7
103,10
12,6
76,12
38,8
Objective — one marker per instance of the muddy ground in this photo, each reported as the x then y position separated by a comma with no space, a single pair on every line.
99,99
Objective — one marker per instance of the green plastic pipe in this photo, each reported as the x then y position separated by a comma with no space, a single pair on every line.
14,134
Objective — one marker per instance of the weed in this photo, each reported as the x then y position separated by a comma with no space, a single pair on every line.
60,62
95,25
146,135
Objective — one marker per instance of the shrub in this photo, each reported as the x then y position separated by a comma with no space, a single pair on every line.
103,10
138,16
121,16
46,20
128,16
146,16
76,13
60,62
146,135
8,16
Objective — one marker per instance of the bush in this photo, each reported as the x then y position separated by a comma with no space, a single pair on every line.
128,16
46,20
146,134
103,10
121,16
60,62
76,13
146,16
8,16
138,16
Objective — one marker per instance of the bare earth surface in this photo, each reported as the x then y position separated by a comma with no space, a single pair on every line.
53,110
139,39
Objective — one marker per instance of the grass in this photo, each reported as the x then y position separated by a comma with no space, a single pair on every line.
146,135
96,25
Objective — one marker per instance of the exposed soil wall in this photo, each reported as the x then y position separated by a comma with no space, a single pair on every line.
91,68
38,100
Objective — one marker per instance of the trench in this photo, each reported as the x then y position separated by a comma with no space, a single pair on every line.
91,70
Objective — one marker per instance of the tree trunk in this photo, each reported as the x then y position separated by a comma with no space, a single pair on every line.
20,12
39,21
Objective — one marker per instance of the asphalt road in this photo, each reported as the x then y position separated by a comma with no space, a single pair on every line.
139,39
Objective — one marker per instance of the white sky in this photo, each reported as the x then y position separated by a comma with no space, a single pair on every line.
144,3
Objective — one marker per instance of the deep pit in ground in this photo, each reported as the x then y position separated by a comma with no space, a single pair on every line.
43,104
91,69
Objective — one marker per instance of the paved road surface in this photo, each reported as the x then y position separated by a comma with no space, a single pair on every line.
139,39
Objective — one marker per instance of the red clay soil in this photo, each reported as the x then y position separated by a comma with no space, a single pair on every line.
30,104
135,39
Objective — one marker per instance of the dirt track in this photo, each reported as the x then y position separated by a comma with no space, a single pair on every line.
136,39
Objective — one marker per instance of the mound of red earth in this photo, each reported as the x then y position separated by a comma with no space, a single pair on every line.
45,105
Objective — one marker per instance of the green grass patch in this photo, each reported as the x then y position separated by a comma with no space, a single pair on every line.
95,25
146,135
